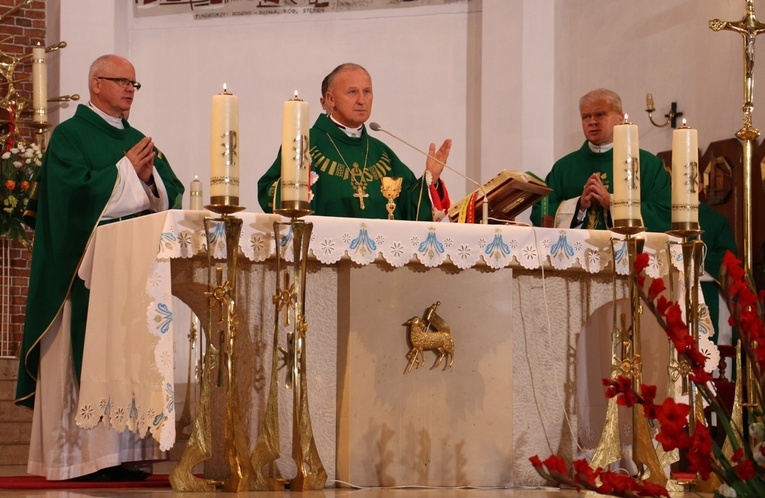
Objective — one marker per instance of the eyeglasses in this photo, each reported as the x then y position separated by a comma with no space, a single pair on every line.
123,82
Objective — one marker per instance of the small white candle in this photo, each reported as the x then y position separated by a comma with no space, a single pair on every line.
39,85
626,197
196,201
685,175
224,149
296,160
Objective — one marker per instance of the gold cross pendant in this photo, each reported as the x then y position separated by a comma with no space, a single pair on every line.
361,194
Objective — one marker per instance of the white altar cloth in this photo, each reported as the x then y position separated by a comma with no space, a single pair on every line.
127,375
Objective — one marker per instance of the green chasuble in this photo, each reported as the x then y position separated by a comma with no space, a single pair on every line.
718,237
76,181
348,168
570,173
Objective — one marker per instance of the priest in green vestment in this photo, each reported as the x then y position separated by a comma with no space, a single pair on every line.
582,181
97,169
347,163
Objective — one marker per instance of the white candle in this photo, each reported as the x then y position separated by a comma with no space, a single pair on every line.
296,160
224,149
685,175
39,85
196,201
626,197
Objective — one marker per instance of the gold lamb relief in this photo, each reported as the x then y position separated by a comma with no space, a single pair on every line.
429,333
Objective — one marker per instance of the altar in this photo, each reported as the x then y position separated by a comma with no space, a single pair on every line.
516,298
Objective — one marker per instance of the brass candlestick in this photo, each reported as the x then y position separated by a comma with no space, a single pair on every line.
627,360
391,188
311,474
220,353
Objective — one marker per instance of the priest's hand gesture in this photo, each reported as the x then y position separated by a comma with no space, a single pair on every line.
141,155
595,193
442,154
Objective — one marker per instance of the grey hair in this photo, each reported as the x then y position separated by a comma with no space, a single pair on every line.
339,69
611,97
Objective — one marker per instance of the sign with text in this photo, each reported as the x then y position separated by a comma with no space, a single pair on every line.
212,9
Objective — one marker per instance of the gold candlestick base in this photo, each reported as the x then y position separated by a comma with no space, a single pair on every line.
628,227
224,209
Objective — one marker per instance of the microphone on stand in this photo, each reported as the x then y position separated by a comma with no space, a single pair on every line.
485,213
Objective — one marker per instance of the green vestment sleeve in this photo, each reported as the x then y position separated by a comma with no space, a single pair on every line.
76,181
570,173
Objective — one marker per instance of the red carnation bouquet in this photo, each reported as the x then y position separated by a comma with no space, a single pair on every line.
742,470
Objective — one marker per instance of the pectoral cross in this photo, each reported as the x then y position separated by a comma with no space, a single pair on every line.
361,194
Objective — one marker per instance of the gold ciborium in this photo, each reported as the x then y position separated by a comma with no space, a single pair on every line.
391,188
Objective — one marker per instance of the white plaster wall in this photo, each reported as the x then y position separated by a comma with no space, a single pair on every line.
662,47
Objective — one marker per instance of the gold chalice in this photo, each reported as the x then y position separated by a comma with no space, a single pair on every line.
391,188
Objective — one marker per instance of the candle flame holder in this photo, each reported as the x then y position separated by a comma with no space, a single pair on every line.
224,209
685,230
294,209
628,226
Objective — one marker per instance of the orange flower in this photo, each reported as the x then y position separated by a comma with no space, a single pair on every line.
10,184
25,185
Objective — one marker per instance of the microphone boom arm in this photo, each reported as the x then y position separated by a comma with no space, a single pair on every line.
485,206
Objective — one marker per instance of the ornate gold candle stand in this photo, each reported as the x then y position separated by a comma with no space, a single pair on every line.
627,361
221,338
693,251
311,474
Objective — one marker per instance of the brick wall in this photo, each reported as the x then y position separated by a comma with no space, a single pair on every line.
19,33
18,266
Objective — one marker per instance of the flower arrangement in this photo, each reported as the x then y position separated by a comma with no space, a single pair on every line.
19,166
742,470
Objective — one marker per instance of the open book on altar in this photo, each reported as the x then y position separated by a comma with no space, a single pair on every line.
510,193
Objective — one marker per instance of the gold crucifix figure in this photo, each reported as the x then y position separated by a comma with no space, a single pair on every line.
749,27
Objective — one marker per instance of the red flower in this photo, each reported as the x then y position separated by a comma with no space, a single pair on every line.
625,384
733,266
746,470
737,455
700,463
641,263
657,287
556,464
616,484
662,304
584,473
651,489
648,392
673,414
536,462
627,399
